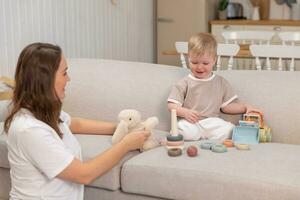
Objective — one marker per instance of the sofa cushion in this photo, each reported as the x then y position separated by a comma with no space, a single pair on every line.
116,85
274,92
5,183
146,87
267,171
4,109
92,145
103,194
3,148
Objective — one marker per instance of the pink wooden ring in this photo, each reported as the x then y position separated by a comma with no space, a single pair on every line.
174,143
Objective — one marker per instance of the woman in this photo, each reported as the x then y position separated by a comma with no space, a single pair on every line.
44,156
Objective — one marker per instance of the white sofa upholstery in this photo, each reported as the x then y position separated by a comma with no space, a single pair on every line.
99,89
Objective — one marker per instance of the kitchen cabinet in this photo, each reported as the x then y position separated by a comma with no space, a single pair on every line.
178,20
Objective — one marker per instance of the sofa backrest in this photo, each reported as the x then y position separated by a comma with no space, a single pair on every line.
100,89
277,93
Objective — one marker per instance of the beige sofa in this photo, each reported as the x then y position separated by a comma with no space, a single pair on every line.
99,89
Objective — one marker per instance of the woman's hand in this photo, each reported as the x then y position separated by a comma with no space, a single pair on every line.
191,116
135,140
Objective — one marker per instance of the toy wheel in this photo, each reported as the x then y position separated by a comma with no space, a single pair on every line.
219,148
228,143
207,145
174,152
242,146
174,138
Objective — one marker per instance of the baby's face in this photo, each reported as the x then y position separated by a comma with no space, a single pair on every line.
201,65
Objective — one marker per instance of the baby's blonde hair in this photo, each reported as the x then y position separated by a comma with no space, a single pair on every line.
202,43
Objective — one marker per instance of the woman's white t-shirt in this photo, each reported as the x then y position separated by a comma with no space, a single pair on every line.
37,155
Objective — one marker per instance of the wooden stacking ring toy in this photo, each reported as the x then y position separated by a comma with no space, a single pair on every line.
174,152
175,143
175,138
242,146
228,143
206,145
219,148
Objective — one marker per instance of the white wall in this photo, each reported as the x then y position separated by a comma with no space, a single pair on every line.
83,28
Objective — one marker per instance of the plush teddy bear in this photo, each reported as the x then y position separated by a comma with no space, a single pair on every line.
130,120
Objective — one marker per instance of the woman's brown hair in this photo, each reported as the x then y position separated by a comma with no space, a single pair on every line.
34,88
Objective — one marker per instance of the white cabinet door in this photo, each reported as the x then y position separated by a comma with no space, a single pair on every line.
275,28
217,30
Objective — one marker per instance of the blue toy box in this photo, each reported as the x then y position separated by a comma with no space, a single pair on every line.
246,133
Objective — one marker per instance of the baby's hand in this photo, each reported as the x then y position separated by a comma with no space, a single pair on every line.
250,109
192,116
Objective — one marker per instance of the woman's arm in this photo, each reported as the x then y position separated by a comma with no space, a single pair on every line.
86,126
86,172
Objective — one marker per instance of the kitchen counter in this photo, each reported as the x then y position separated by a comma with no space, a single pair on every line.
218,26
256,22
243,53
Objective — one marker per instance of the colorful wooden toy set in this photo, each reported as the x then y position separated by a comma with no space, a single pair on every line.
251,130
175,142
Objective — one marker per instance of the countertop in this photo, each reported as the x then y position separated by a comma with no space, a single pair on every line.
256,22
243,53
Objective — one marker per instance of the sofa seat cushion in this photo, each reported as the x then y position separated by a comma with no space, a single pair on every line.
3,148
267,171
93,145
4,109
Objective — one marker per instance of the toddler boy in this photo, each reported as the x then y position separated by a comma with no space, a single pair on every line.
200,97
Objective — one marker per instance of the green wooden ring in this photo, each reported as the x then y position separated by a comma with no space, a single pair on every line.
219,148
174,138
174,152
207,145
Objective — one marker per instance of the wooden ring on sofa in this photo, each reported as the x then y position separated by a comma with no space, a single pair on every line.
228,143
175,143
242,146
174,152
178,137
206,145
219,148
